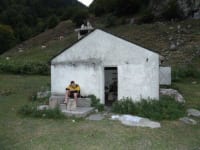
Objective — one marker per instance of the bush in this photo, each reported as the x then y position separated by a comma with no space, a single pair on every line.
80,16
24,68
172,11
31,111
182,72
147,17
110,20
7,38
165,108
52,21
95,102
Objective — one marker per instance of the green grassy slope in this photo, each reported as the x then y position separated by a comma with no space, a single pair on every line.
157,37
21,133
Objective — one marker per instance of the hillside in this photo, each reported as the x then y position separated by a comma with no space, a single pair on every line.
177,42
22,19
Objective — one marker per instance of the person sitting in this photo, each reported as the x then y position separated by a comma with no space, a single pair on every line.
72,91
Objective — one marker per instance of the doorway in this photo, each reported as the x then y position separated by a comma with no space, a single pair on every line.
111,85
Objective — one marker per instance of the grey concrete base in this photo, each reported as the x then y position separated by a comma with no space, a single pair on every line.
57,100
79,112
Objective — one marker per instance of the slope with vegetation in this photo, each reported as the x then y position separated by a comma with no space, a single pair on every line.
22,19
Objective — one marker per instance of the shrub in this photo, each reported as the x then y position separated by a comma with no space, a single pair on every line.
31,111
147,17
52,21
110,20
172,11
95,102
7,38
180,73
24,68
165,108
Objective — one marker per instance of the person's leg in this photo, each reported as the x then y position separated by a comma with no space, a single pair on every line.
76,97
67,96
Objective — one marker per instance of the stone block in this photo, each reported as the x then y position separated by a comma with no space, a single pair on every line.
79,112
71,105
84,102
165,75
57,100
63,107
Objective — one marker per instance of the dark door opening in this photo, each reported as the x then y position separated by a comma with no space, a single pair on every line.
111,85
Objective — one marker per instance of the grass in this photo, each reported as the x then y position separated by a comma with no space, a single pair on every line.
20,133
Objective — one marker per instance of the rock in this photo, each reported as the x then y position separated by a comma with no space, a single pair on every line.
171,38
196,15
173,93
193,112
189,26
7,58
43,107
95,117
194,82
132,21
20,51
187,120
172,46
71,105
130,120
43,94
179,27
43,46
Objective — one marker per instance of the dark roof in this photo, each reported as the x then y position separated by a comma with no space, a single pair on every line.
89,34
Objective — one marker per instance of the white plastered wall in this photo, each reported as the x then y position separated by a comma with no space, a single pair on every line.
137,67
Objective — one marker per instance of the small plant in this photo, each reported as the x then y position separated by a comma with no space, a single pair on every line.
172,11
32,111
147,17
95,102
165,108
180,73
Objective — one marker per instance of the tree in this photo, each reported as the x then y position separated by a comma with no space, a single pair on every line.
7,38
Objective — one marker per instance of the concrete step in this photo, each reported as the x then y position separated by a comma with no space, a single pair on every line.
57,100
79,112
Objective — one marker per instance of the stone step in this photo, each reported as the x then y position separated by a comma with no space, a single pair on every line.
63,107
79,112
57,100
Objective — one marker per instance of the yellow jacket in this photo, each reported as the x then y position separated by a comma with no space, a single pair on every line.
73,89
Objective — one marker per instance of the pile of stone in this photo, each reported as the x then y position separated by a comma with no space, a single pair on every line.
191,113
130,120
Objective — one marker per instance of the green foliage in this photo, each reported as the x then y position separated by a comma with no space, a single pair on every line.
147,16
181,72
52,21
7,38
110,20
117,7
95,102
9,66
28,18
31,111
172,10
80,16
124,106
164,109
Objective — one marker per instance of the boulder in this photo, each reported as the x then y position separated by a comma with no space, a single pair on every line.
130,120
173,93
187,120
95,117
71,105
193,112
43,94
43,107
